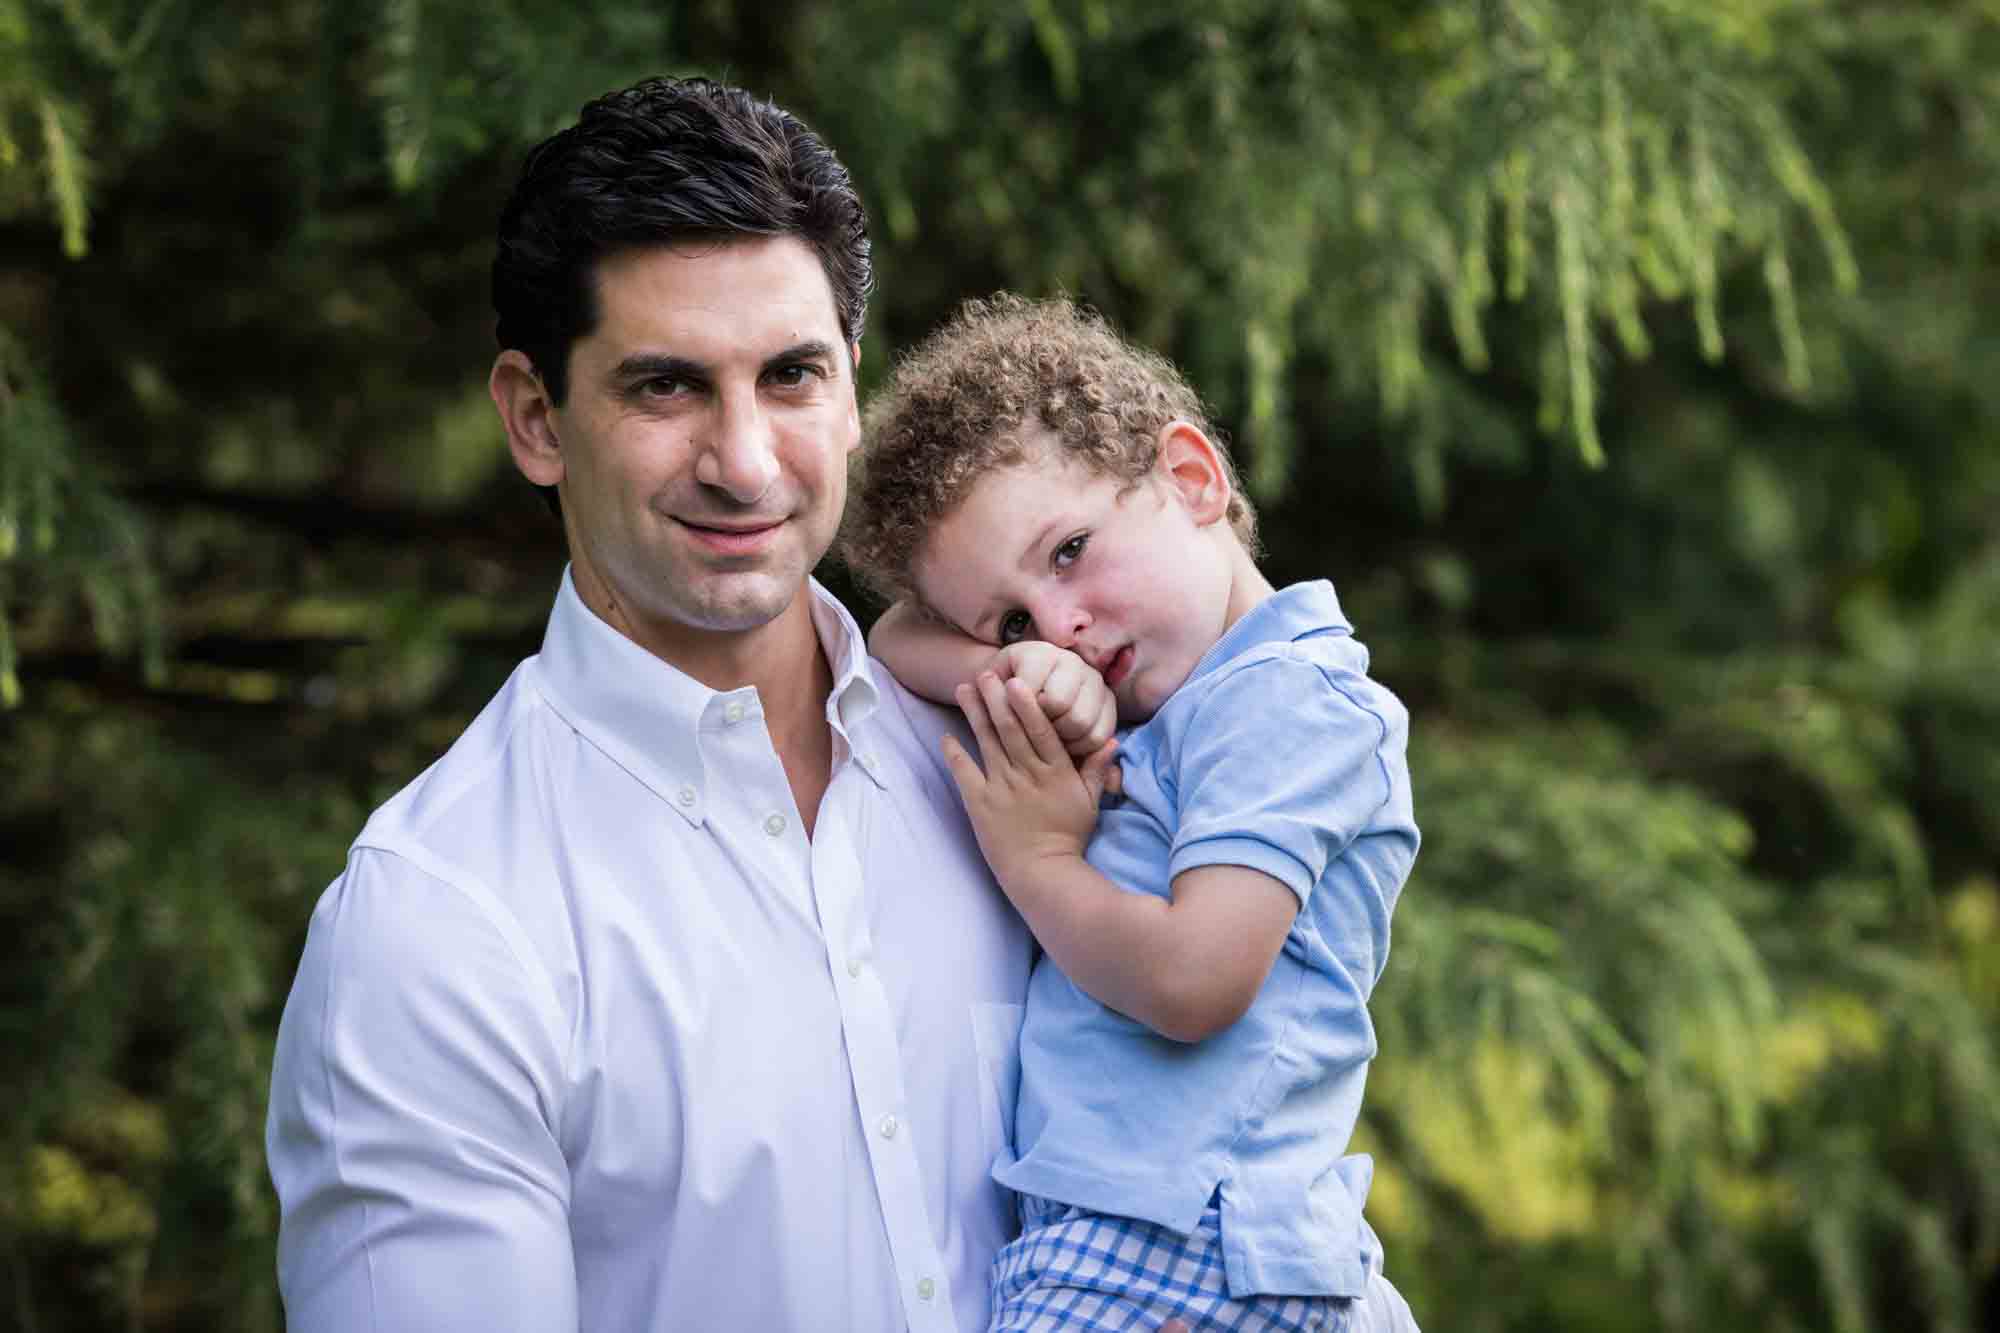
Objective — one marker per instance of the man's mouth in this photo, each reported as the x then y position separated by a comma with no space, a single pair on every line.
732,538
1119,667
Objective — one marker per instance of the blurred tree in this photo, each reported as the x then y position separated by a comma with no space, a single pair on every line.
1635,369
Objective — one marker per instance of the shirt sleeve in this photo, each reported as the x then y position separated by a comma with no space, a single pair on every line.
412,1130
1283,767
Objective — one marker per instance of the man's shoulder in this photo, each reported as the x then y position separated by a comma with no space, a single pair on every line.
908,730
908,712
460,839
473,771
914,726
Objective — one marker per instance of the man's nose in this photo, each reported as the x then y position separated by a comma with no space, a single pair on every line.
740,455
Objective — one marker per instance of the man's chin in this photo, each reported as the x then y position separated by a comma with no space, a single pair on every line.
735,603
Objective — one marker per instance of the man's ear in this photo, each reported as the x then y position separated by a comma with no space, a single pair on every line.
1191,466
528,415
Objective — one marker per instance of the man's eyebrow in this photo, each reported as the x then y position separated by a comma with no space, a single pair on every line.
665,365
657,365
812,349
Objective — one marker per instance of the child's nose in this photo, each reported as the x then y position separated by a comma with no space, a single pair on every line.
1063,623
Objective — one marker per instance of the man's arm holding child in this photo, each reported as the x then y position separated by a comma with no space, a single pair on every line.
932,659
1186,967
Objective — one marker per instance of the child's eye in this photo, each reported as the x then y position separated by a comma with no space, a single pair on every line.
1067,553
1015,626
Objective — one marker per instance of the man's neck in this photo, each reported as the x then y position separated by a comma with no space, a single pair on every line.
778,657
783,659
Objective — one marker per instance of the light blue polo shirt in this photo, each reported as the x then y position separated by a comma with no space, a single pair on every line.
1279,753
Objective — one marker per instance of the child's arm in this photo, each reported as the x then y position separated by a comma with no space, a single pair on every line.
933,659
930,657
1187,968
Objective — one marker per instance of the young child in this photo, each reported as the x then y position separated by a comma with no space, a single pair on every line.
1057,524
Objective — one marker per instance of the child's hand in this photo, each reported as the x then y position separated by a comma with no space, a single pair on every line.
1072,695
1031,802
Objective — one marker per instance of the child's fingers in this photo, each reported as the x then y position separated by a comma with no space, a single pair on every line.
971,782
991,752
1035,725
1095,717
1019,749
1086,742
1030,660
1058,692
1100,771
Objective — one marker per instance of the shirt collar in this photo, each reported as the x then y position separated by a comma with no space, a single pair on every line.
1296,612
648,715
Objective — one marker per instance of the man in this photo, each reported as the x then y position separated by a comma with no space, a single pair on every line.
675,995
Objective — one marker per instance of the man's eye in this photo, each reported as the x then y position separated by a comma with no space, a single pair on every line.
665,386
792,377
1067,553
1015,626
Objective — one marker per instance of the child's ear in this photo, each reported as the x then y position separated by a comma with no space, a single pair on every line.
1191,466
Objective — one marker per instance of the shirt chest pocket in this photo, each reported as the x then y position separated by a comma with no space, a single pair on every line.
996,1035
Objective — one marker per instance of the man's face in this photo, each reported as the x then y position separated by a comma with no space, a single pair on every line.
705,439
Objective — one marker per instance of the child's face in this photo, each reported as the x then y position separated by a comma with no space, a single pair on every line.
1131,580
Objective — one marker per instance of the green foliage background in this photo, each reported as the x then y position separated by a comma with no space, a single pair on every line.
1633,368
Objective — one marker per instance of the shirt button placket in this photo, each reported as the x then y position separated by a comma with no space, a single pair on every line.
869,1025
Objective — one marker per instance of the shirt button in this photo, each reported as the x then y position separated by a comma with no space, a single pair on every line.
926,1289
733,711
774,824
854,967
687,795
888,1127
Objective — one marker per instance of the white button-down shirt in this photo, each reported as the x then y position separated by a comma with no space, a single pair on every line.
589,1035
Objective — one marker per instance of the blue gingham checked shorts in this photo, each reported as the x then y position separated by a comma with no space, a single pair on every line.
1072,1269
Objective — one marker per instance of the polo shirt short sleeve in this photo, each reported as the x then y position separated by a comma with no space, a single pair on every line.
1282,768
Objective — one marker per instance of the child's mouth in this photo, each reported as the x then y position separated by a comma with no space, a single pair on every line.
1119,667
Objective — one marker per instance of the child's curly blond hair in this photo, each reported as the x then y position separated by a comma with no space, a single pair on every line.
981,393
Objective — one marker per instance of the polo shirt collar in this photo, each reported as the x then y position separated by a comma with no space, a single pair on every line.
648,716
1296,612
